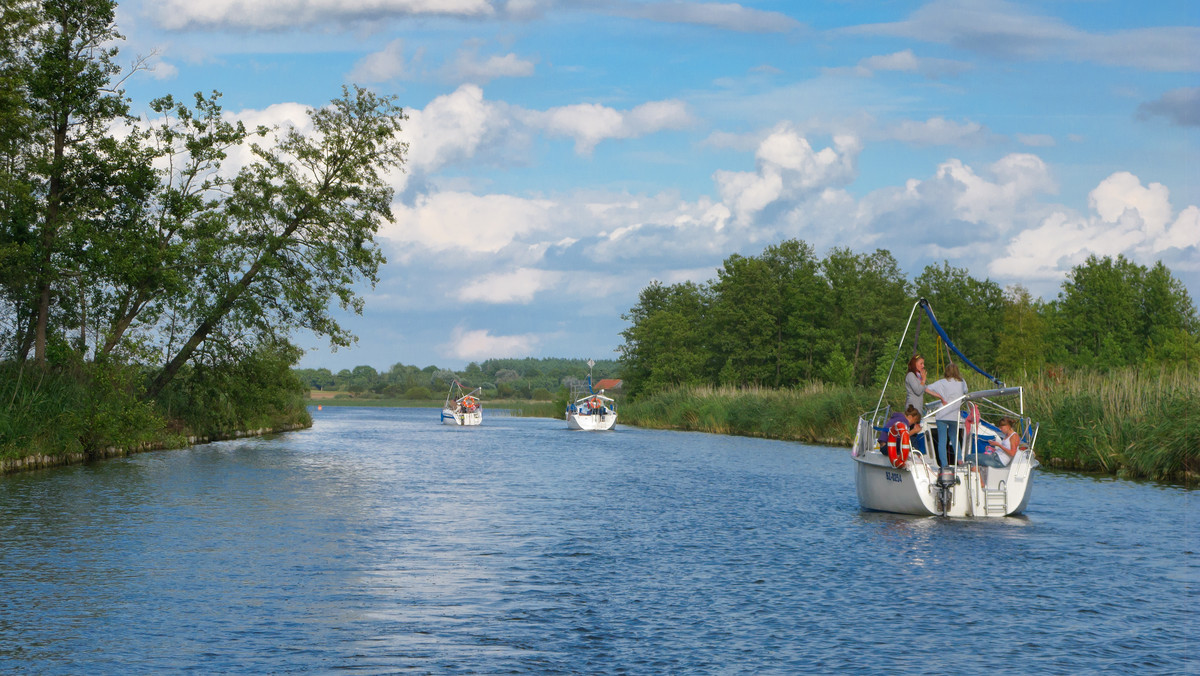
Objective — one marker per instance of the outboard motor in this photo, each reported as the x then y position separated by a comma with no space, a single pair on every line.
946,482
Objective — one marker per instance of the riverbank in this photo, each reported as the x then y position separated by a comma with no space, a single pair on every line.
81,412
1133,423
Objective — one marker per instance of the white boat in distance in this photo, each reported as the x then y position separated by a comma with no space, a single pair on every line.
890,482
464,409
592,412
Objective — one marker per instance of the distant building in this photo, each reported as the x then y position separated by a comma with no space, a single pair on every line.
610,384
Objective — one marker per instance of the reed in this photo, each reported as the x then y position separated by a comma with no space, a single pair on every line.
1136,423
812,413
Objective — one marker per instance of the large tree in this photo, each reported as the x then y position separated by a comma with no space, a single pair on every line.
300,222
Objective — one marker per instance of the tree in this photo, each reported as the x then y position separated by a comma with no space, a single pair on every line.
1021,337
300,222
868,298
970,310
665,344
1098,313
62,72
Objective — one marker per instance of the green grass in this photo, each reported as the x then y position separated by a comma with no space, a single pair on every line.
1133,423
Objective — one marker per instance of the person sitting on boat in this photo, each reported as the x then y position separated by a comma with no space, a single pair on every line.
949,389
1000,453
914,384
911,418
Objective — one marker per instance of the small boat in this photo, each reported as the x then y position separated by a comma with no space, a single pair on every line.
461,407
592,411
903,479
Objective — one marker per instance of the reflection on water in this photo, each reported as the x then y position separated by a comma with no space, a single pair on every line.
382,541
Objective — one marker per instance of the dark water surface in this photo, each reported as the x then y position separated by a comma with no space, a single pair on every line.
380,541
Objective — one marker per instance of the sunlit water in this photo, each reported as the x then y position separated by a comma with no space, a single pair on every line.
381,541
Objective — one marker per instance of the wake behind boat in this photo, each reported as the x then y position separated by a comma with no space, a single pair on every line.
462,408
902,475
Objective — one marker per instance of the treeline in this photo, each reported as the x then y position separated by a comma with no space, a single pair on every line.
138,262
528,378
787,318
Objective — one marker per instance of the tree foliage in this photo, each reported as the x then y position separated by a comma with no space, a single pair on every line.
786,318
133,241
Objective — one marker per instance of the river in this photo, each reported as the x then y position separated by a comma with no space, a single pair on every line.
380,541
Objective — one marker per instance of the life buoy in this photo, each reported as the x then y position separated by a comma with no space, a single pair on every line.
899,445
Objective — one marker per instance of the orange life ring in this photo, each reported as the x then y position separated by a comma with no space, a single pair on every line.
899,445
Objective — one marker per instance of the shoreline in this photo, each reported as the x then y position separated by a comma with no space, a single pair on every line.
42,461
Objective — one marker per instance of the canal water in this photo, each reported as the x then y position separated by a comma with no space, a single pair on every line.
380,541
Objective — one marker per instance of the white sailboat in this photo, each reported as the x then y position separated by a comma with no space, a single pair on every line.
902,478
462,408
593,411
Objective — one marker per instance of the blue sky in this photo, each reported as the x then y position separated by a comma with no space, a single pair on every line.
564,154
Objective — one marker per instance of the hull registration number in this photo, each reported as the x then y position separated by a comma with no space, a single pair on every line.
894,476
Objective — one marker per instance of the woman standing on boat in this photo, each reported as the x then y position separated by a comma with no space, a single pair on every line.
914,385
949,389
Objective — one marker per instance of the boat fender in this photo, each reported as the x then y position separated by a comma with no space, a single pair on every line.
899,445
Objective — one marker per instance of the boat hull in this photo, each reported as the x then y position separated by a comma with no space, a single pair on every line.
913,489
591,422
462,419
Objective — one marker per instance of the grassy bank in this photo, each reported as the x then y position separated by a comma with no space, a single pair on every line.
1132,423
83,411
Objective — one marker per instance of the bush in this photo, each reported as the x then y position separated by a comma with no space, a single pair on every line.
419,392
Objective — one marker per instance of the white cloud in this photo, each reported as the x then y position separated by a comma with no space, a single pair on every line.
517,286
469,67
451,128
1003,29
382,66
280,14
726,16
1127,218
788,169
590,123
938,131
481,344
907,62
467,223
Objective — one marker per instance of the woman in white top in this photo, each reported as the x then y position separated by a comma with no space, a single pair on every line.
949,389
1006,448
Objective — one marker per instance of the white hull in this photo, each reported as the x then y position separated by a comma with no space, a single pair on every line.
593,422
462,419
913,489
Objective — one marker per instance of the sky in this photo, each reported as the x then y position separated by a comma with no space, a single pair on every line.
564,154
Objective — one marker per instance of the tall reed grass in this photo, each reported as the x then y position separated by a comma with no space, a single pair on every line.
1137,423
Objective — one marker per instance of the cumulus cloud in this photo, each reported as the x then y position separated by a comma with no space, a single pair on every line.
282,14
481,344
788,169
382,66
590,123
1126,218
1180,106
1002,29
468,223
516,286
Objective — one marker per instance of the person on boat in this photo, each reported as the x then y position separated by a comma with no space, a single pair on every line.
910,417
1000,453
949,389
914,384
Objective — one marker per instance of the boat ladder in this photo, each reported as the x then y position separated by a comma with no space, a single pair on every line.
995,502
